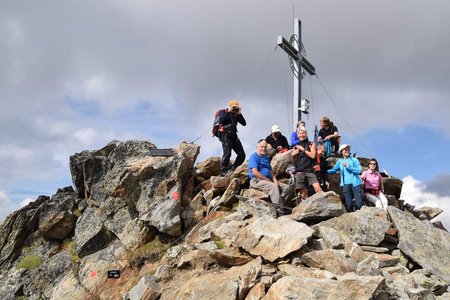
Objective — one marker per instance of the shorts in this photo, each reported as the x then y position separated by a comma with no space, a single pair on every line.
301,177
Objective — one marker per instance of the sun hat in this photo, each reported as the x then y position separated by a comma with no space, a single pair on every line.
275,128
342,147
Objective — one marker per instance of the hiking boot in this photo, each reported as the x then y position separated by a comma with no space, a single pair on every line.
226,173
280,212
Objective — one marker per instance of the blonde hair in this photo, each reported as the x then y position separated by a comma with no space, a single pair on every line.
301,128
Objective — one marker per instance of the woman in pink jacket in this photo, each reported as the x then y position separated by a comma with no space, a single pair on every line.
373,185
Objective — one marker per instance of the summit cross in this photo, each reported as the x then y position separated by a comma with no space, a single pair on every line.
293,49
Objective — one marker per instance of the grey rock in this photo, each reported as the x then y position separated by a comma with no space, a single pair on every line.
300,271
351,288
10,283
93,268
366,226
147,287
208,167
69,288
273,238
331,238
162,273
56,218
321,206
90,234
256,207
234,283
427,212
392,186
334,261
280,162
375,249
370,266
131,231
165,215
429,247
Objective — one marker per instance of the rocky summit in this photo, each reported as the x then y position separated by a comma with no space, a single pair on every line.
148,223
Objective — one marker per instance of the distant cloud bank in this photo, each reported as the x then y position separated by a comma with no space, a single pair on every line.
431,194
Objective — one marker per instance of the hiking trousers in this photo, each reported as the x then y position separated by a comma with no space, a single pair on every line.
379,200
277,193
231,143
351,191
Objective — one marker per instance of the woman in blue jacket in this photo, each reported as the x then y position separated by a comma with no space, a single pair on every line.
349,168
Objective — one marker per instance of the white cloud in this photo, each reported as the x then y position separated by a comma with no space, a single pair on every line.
6,206
25,201
413,192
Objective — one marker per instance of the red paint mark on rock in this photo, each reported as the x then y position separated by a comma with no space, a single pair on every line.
176,196
93,274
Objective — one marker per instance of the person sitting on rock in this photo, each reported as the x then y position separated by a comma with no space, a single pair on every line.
321,168
349,168
304,158
263,179
329,135
294,136
373,185
276,142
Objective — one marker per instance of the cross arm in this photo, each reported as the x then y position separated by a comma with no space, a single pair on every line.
292,52
283,44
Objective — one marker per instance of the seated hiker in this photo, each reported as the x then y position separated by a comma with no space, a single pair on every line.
329,135
303,157
276,142
294,136
321,167
263,179
349,169
373,185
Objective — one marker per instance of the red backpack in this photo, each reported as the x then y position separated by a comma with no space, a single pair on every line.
217,128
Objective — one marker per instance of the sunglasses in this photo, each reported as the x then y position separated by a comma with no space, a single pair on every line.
372,164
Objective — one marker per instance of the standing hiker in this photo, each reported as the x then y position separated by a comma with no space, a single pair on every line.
228,119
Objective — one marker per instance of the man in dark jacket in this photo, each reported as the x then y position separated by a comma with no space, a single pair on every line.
229,118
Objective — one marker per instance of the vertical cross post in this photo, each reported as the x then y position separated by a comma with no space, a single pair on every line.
293,49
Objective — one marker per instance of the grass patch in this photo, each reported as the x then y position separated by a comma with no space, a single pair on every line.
149,252
219,242
74,258
77,213
30,262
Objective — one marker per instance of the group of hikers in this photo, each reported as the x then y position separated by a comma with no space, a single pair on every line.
309,168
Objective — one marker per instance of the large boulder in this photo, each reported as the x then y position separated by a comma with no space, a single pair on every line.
335,261
273,238
321,206
366,226
90,233
147,180
234,283
208,167
351,287
427,213
392,186
280,162
426,245
56,218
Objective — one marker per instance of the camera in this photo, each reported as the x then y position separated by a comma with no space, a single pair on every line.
235,109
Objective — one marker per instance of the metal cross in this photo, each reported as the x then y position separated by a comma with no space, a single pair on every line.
293,50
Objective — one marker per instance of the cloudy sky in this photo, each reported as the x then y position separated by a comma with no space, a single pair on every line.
75,75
